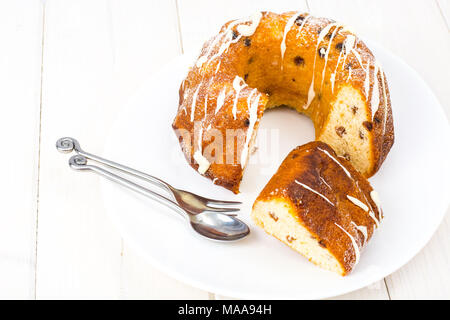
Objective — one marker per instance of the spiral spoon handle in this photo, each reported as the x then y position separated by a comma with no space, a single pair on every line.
68,144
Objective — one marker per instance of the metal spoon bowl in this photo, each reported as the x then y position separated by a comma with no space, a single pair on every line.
219,226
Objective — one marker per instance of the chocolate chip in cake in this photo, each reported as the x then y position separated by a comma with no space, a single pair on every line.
295,155
322,52
368,125
346,156
319,96
289,238
293,79
340,131
299,61
299,20
319,30
361,134
246,122
377,120
247,42
354,109
235,34
322,244
348,66
339,46
250,60
246,76
273,216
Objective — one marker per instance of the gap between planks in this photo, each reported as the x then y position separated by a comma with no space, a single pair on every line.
39,150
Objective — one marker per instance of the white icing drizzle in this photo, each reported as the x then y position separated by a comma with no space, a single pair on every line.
366,71
348,29
375,100
358,203
355,245
333,35
384,98
367,80
333,78
358,57
349,73
288,27
248,30
312,190
221,99
323,180
376,198
237,86
203,163
364,206
363,230
371,213
217,68
194,101
333,75
227,37
311,92
227,33
201,61
337,161
252,104
349,43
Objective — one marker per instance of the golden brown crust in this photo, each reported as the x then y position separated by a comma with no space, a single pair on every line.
257,59
311,166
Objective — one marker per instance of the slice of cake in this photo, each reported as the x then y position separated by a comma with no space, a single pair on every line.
320,206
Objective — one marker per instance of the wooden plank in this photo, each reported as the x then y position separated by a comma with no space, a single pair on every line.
201,19
140,281
20,70
444,6
95,55
427,275
375,291
142,45
78,252
426,49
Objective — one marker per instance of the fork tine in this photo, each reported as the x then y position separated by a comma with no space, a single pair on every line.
213,209
222,202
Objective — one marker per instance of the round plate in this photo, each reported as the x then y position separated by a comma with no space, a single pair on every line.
413,184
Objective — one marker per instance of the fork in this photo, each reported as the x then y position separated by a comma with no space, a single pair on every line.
189,201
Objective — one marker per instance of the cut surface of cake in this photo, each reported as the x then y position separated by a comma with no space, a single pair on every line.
320,206
316,66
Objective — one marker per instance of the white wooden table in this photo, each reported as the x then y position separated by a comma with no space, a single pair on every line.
67,67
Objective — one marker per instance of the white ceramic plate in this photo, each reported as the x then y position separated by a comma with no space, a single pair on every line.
413,184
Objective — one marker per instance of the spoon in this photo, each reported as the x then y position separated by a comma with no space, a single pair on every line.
212,225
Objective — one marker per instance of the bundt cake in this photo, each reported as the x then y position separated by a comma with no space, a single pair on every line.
320,206
315,65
